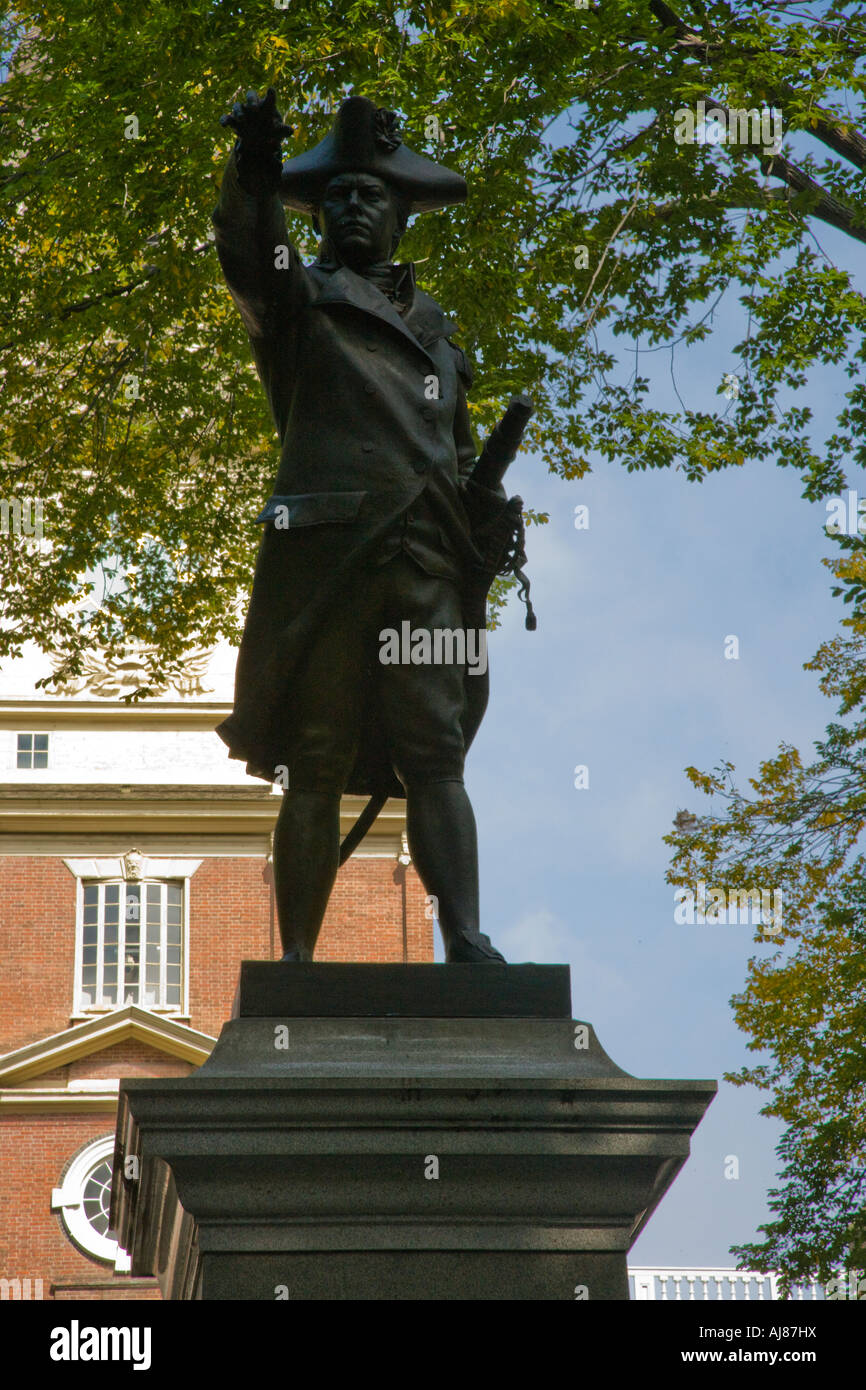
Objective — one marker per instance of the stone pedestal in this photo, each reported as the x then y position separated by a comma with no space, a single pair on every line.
398,1132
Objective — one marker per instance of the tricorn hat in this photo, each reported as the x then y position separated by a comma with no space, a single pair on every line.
365,139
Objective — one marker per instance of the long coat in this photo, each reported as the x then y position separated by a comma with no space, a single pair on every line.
371,412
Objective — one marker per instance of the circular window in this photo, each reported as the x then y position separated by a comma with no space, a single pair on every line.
97,1197
84,1202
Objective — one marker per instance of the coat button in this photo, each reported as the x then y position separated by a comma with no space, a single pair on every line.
428,412
420,466
369,387
372,347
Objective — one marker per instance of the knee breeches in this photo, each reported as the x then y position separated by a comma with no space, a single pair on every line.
344,683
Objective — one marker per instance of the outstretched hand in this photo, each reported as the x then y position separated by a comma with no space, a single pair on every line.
259,128
257,121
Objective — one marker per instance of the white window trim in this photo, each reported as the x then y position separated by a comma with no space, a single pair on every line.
69,1201
115,868
31,733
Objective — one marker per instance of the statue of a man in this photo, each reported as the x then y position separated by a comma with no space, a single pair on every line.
368,527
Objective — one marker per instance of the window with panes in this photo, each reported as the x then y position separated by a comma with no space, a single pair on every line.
32,750
132,945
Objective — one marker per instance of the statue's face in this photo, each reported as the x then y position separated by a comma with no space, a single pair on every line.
359,215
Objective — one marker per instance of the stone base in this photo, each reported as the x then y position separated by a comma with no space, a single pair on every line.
325,1155
313,989
422,1275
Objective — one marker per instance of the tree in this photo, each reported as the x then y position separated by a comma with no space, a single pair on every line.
130,404
798,835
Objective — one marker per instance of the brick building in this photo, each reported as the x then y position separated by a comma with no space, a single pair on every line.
128,836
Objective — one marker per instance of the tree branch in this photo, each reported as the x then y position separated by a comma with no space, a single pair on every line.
827,208
30,173
847,143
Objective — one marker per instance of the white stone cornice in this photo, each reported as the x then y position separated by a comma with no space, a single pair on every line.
50,714
130,809
57,1101
115,868
123,809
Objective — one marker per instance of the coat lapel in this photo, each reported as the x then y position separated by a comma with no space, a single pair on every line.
343,286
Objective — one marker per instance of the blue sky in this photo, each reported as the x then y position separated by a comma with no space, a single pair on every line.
627,674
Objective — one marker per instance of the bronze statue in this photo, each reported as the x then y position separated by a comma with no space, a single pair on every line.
375,521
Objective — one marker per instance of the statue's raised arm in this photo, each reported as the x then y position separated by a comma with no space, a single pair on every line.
257,258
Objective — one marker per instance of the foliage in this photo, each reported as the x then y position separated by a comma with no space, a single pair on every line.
804,1004
130,402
